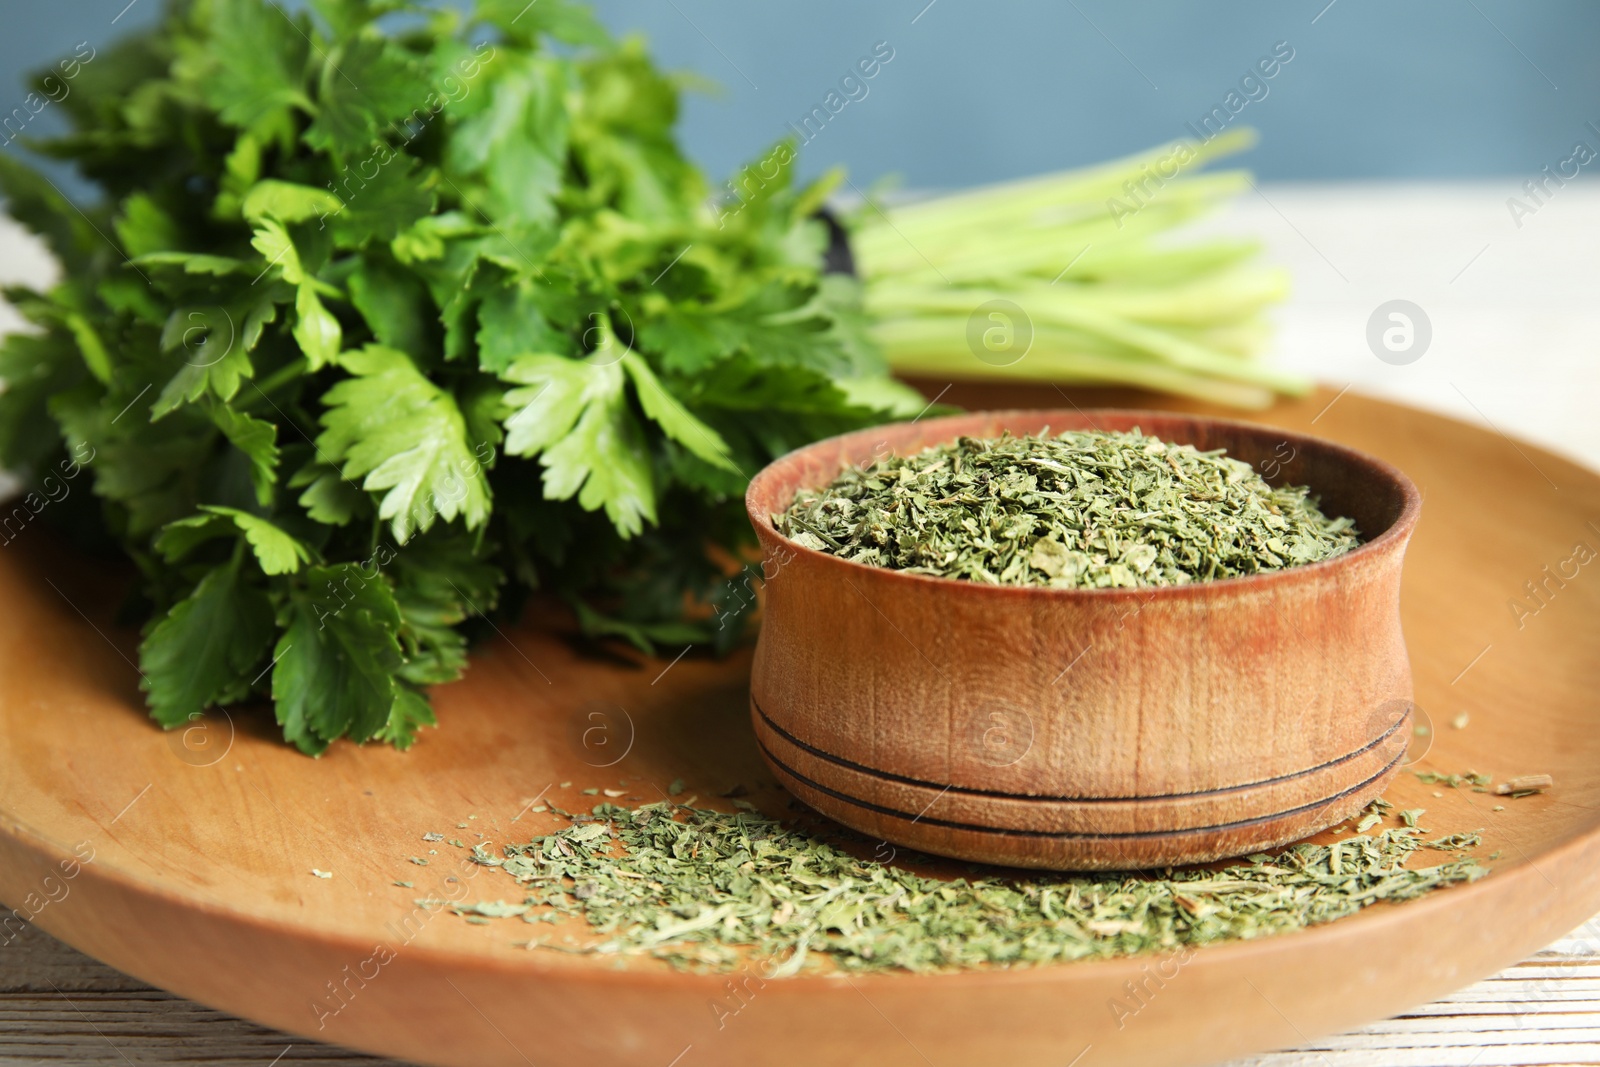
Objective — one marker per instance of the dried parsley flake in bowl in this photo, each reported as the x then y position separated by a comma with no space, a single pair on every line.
1086,509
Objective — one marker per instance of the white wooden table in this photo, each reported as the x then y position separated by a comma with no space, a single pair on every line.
1516,346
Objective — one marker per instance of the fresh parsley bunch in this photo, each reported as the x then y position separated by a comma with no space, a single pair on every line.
386,306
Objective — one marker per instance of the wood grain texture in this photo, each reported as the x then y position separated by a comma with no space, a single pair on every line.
200,879
1087,728
58,1006
1544,1010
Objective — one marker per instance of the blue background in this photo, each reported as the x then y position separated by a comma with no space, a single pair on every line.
978,92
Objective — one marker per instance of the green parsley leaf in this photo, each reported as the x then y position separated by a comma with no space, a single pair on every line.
315,328
519,142
213,353
673,418
409,712
192,262
275,551
288,202
93,350
329,497
439,583
394,301
144,228
258,440
365,83
565,20
34,368
392,427
254,62
382,205
274,243
347,17
196,654
149,469
335,663
574,416
512,323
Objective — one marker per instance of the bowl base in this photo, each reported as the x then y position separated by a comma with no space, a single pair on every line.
1081,833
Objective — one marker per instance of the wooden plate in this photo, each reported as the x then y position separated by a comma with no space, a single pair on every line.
203,846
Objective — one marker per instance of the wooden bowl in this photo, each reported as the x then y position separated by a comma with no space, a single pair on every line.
1088,729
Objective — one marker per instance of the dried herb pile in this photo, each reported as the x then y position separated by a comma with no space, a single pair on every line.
711,890
1085,509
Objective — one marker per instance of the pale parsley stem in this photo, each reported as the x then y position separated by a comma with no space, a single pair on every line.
1096,182
1106,219
942,356
1022,247
1048,318
1219,299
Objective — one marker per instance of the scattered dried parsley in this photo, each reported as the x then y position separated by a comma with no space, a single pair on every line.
1087,509
1458,842
1454,781
712,890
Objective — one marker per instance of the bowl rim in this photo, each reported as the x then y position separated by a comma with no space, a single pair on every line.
1391,540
